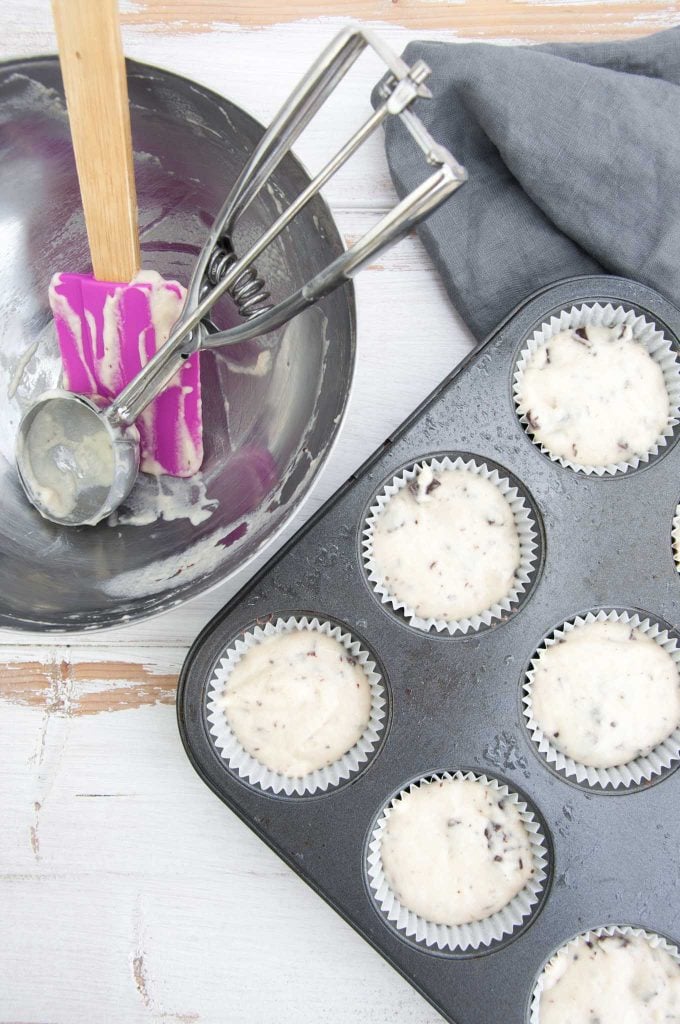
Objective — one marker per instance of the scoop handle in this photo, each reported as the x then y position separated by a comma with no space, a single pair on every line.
153,377
93,70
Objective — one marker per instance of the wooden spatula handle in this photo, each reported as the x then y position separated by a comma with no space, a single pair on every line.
93,69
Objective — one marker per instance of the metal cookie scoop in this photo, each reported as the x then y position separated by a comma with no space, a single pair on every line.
77,458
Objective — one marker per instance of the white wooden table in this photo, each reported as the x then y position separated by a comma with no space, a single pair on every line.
128,892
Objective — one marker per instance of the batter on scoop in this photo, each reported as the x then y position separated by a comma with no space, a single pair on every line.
297,701
611,979
606,694
446,545
594,396
455,851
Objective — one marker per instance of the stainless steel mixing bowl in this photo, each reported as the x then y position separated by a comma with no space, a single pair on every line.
272,409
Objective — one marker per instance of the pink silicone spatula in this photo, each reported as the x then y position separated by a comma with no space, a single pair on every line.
111,322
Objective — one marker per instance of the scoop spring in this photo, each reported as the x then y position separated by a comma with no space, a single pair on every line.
248,290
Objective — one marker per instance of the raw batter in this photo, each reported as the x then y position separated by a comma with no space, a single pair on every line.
606,694
447,545
455,851
297,701
62,451
594,396
611,980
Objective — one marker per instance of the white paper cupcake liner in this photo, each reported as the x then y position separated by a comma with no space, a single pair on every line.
458,938
644,331
526,532
252,770
624,931
675,535
642,769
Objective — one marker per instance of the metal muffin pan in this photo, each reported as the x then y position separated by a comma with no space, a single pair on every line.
455,701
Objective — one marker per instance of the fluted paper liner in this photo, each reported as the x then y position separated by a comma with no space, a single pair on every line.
676,538
641,769
526,532
647,333
252,770
458,938
609,931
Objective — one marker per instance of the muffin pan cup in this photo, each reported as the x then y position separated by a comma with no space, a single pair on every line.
660,758
607,931
660,348
526,534
455,704
258,774
475,934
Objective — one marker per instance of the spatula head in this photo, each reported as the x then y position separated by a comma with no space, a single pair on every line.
107,332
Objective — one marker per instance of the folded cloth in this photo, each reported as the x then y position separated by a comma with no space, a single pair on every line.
573,156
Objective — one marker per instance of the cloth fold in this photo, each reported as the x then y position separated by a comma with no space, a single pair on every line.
573,156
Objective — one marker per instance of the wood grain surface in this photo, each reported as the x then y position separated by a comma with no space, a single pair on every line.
128,893
528,20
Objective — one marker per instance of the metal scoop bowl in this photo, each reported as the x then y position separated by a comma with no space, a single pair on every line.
77,458
75,465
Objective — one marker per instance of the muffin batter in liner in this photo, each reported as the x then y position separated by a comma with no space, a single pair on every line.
252,770
657,345
459,938
641,769
624,931
524,525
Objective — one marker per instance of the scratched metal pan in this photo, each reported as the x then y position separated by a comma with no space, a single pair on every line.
456,702
272,410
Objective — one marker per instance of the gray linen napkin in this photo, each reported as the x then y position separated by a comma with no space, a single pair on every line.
573,156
